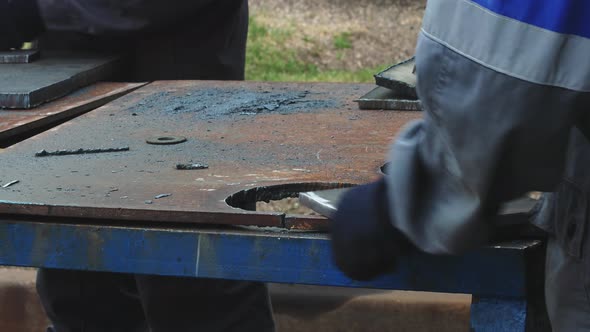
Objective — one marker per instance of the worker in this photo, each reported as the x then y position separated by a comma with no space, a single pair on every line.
171,39
505,88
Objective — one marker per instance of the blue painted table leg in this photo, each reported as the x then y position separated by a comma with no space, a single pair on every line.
521,314
498,315
508,315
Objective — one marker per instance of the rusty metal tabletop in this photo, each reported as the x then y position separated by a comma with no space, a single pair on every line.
260,141
98,212
16,124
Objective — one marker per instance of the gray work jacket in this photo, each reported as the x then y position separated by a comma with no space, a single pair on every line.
504,94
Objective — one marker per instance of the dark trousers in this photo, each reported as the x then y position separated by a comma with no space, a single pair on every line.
78,301
208,44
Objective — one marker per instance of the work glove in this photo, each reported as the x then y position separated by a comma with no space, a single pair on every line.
20,22
364,242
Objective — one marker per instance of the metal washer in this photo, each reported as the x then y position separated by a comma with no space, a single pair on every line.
166,140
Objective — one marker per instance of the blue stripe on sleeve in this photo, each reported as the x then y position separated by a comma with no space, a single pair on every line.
570,17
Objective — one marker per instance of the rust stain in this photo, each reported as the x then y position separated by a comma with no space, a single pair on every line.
307,223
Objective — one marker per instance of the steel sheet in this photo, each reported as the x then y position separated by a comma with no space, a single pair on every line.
18,124
24,86
19,56
271,139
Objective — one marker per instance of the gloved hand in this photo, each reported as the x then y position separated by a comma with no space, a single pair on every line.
364,242
20,21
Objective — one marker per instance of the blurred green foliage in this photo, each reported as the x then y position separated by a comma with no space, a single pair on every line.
342,41
269,58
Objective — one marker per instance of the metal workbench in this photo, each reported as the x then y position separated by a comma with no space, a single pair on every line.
98,212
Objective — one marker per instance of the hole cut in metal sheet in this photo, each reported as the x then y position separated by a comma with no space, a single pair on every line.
289,205
254,199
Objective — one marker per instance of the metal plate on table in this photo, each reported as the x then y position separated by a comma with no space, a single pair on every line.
399,78
512,221
260,141
325,202
16,125
385,99
54,75
19,56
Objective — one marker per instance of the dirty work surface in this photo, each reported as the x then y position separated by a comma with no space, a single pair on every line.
54,75
17,123
251,135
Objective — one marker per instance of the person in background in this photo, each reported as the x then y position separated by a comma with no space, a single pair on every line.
505,88
160,40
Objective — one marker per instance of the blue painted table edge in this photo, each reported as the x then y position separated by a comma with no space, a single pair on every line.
497,276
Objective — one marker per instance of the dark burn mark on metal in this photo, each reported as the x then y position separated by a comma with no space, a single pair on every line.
219,102
191,166
384,99
44,153
246,199
166,140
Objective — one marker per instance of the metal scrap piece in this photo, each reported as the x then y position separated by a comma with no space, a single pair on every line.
10,183
162,196
385,99
400,78
511,220
17,125
44,153
19,56
51,77
191,166
323,202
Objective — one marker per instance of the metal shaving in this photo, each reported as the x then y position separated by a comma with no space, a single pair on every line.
191,166
10,183
162,196
44,153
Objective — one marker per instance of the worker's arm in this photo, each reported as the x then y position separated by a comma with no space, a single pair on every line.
98,17
19,22
502,88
